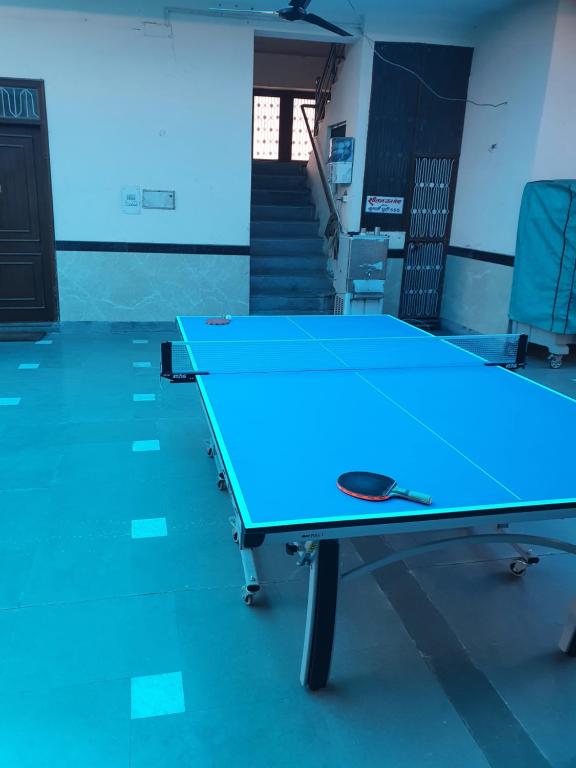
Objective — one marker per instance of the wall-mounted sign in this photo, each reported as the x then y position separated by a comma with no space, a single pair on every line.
384,204
131,200
159,198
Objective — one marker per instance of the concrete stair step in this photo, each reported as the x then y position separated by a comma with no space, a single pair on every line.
276,168
268,265
283,213
297,246
296,197
305,284
288,181
272,304
288,229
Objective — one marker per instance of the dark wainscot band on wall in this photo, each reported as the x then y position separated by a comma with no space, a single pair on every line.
470,253
186,248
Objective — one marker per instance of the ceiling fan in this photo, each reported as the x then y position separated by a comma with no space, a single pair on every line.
296,11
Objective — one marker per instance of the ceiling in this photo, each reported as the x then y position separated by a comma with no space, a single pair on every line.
291,46
343,11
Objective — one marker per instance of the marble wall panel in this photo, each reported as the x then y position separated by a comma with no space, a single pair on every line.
150,286
476,296
392,287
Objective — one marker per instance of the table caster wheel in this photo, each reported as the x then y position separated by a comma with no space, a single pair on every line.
518,567
210,451
247,597
555,361
221,483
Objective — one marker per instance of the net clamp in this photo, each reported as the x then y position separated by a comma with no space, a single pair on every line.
181,376
305,552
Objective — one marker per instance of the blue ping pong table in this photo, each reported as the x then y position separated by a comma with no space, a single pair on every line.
293,402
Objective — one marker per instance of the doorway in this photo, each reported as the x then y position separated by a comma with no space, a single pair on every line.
27,259
286,74
279,131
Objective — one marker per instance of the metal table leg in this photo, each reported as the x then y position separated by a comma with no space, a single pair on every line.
320,616
568,639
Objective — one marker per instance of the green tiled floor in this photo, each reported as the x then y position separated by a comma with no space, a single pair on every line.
85,607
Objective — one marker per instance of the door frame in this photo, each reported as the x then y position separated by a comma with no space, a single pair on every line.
45,197
286,97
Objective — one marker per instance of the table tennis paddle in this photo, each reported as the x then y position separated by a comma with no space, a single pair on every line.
219,320
371,486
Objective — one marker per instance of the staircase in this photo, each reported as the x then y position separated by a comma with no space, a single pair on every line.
287,266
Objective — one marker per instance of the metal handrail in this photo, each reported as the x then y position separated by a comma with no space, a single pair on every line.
334,216
325,82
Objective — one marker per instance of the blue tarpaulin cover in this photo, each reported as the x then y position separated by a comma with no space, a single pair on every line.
544,283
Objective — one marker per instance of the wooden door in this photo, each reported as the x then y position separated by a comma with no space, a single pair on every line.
27,267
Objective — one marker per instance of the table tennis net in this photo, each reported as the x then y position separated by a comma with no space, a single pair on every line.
182,360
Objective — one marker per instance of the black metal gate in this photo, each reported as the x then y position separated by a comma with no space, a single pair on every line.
430,215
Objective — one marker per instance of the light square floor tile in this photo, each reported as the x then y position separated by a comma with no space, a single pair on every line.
156,695
142,364
145,445
139,341
143,398
28,366
10,400
76,726
149,528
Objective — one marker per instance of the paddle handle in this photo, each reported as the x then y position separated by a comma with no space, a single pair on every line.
405,493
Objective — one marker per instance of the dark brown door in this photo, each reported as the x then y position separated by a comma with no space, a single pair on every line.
27,269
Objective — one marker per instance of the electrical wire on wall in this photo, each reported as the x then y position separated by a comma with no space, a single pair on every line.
418,77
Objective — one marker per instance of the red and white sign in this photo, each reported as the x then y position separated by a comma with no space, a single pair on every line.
384,204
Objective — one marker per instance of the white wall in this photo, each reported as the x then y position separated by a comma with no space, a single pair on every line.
556,148
132,101
350,103
125,108
526,56
510,63
282,70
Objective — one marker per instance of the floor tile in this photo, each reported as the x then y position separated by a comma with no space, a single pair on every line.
56,645
68,569
145,445
17,559
369,715
31,467
157,695
511,628
82,725
147,528
84,609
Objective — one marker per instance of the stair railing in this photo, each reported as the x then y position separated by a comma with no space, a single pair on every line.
325,82
334,225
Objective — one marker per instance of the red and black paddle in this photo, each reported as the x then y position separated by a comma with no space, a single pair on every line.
371,486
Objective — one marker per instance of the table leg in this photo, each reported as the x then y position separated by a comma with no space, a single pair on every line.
568,639
251,580
320,616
